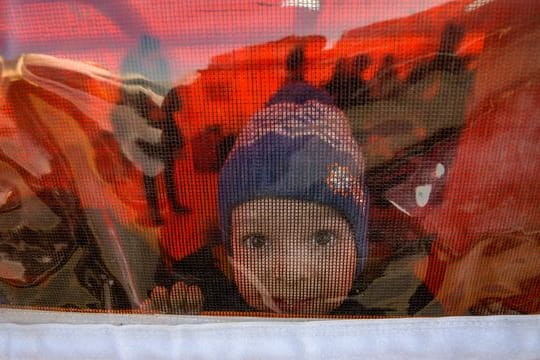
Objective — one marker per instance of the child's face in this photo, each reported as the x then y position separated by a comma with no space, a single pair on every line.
292,256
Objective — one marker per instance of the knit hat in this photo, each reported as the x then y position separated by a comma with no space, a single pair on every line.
303,151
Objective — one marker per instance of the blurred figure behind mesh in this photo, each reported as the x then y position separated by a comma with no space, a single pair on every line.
447,58
295,64
172,142
150,139
295,88
347,85
386,83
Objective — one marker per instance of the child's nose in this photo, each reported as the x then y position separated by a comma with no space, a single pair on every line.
291,268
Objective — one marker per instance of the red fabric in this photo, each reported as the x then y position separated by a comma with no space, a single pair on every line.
492,189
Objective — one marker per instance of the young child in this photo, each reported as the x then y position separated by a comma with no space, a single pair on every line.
293,212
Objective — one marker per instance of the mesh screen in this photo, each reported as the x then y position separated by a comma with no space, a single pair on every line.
317,158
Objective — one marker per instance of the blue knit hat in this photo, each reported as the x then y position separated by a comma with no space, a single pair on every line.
303,151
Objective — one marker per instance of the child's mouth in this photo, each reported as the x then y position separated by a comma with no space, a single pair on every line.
291,305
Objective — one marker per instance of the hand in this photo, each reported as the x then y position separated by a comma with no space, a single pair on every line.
180,299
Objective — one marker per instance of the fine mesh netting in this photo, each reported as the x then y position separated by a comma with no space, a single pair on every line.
271,158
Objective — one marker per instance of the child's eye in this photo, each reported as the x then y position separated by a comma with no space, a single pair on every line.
324,237
255,241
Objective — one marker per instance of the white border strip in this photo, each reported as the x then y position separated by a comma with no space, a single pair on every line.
493,337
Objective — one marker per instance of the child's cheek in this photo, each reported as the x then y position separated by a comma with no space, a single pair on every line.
249,278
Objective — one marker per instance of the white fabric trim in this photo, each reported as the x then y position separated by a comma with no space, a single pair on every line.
27,335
